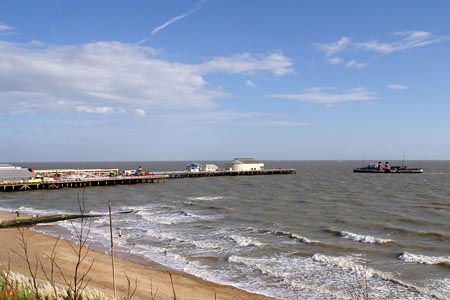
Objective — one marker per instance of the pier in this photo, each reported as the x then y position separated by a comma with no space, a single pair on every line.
155,177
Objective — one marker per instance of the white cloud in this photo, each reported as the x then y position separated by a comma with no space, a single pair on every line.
250,83
322,95
334,60
94,110
396,86
275,63
354,64
112,77
140,112
334,47
5,27
6,30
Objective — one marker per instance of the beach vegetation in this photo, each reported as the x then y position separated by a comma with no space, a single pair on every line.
14,286
79,282
359,288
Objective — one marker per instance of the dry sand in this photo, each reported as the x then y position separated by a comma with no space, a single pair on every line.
151,279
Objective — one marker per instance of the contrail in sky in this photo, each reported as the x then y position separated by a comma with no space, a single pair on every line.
197,6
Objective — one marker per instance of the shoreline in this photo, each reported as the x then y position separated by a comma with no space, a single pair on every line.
150,276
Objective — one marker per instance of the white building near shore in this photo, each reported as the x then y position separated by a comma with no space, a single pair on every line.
245,164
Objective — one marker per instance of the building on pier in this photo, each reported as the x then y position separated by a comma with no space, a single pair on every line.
245,164
194,167
210,168
10,172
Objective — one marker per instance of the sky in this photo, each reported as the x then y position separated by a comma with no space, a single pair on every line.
213,80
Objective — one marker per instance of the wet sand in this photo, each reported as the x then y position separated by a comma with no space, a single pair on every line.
151,278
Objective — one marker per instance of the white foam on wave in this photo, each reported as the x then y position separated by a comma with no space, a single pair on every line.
206,245
160,255
41,212
394,285
363,238
303,239
246,241
295,277
287,234
345,262
170,218
160,235
170,258
206,198
424,259
165,218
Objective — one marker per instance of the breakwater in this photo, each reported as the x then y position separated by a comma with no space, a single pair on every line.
156,177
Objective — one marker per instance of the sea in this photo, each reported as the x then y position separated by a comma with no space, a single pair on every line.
323,233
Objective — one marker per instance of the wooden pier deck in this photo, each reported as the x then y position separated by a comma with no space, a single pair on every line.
24,185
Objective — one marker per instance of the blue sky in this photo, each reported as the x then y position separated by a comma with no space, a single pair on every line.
213,80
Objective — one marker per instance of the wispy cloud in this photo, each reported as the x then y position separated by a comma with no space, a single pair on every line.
400,87
334,47
404,40
198,5
328,95
218,117
275,63
409,39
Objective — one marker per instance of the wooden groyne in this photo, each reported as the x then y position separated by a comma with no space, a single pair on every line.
40,220
156,177
33,220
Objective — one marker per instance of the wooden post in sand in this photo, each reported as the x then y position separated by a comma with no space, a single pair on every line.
112,248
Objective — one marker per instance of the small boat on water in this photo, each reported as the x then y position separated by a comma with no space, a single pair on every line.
378,168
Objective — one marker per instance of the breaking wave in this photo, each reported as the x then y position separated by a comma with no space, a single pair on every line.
206,198
246,241
363,271
327,277
364,238
424,259
287,234
206,245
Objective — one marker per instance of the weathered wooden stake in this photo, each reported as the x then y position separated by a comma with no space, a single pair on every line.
112,248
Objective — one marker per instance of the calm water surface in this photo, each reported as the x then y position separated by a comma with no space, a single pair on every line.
312,235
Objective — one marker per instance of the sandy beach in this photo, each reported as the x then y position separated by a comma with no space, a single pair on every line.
150,279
